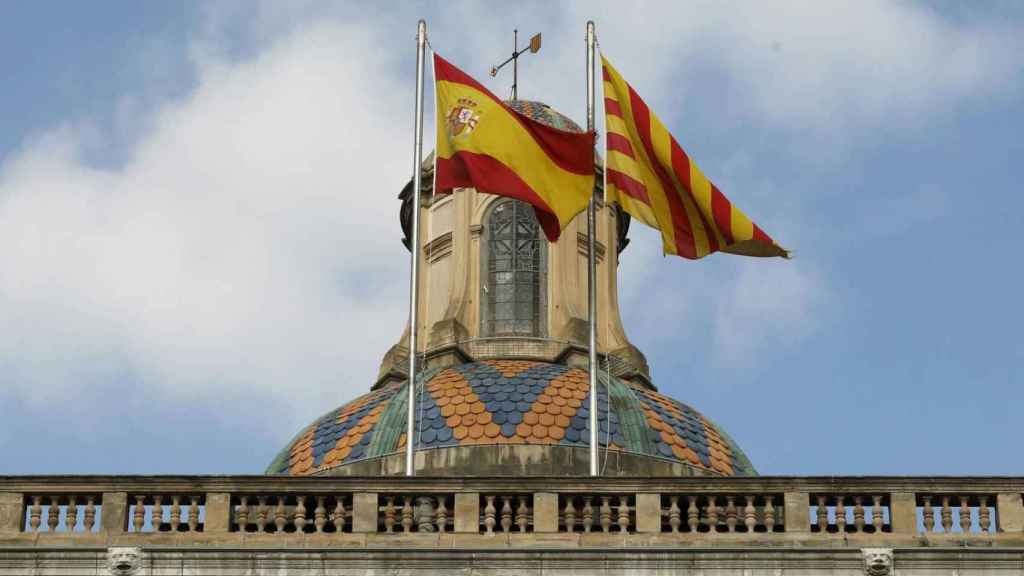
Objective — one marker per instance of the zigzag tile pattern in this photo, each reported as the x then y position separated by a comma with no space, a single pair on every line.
513,402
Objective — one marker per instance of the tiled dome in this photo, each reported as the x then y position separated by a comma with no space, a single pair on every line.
512,402
544,114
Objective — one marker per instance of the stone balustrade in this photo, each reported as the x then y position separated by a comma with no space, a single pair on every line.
716,513
302,513
507,513
416,512
850,513
62,513
957,513
597,512
149,512
771,511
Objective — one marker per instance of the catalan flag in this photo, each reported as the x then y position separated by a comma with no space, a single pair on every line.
653,180
482,143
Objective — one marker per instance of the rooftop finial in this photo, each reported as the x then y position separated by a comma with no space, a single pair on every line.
533,47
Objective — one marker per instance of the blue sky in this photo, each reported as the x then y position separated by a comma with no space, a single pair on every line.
199,249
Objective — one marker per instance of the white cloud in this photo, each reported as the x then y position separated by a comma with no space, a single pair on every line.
249,246
818,65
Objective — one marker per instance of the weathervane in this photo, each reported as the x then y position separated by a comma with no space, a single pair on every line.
533,47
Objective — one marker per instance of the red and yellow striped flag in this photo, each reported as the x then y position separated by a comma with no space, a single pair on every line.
484,144
653,180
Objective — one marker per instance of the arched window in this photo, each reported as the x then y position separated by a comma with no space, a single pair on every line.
514,272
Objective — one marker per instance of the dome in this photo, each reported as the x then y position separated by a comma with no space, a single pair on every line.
494,412
544,114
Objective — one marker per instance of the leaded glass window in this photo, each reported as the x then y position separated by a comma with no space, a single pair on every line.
514,272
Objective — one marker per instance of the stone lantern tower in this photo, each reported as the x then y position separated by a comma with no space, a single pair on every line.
493,286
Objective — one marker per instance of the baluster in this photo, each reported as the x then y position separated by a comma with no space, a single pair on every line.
242,513
965,514
175,513
606,513
730,513
750,514
389,514
158,513
338,515
928,511
319,515
522,514
877,517
299,517
489,514
442,514
674,514
984,520
569,515
712,514
407,513
947,515
840,515
139,517
858,514
588,514
623,520
769,514
53,514
506,514
90,514
261,514
692,514
822,514
193,514
71,516
35,513
280,516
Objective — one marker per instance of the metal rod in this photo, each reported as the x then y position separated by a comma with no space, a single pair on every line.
592,267
414,245
515,63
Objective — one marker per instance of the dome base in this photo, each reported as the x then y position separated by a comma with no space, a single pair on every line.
517,461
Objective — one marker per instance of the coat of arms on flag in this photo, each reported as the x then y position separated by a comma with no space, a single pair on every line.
462,117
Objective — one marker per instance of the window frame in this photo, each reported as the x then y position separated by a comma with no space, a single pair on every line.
488,285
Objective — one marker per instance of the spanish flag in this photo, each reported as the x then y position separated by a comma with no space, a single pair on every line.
484,144
653,180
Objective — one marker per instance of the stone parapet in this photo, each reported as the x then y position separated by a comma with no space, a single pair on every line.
569,512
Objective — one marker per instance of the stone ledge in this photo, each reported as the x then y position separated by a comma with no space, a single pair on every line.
740,561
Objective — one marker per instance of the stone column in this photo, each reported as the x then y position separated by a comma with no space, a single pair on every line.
903,512
364,512
1010,512
12,512
798,512
648,512
218,512
545,512
467,512
115,512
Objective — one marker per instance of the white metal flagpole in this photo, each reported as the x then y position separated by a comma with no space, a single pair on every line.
592,266
414,248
